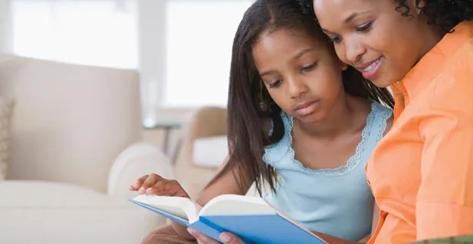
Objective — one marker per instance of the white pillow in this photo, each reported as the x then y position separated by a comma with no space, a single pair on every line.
5,113
210,152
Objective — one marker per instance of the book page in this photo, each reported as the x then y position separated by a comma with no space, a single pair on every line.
253,220
229,204
179,206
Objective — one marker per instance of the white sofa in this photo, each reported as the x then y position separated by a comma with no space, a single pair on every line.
75,133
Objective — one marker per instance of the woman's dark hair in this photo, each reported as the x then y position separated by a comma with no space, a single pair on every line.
250,108
442,14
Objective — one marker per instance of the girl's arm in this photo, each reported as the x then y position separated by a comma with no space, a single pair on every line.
155,184
229,238
226,184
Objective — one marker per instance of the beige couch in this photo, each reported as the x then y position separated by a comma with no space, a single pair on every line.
203,148
75,133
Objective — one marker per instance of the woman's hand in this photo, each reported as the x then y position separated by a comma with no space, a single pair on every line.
226,237
157,185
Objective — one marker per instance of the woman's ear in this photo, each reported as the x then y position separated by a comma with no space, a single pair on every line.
419,5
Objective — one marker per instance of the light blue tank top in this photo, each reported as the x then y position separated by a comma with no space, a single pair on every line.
336,201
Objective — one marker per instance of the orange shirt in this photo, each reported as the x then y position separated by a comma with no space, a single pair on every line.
421,173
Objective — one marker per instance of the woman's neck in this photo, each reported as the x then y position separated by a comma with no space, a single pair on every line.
430,37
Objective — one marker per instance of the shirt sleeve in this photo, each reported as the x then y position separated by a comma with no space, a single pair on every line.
445,196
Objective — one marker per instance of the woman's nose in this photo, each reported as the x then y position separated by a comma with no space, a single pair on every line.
354,50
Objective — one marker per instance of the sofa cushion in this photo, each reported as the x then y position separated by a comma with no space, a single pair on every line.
5,112
48,212
210,151
48,194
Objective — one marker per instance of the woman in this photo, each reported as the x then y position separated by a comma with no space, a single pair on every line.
421,173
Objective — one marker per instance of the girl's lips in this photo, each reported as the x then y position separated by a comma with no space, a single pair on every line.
307,108
369,71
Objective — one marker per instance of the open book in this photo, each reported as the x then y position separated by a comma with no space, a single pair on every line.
251,218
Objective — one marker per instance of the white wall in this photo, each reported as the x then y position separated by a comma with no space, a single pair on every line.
5,26
151,30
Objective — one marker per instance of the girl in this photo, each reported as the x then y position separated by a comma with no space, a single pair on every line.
421,173
300,121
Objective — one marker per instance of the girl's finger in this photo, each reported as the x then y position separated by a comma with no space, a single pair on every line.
136,186
174,188
229,238
151,181
201,238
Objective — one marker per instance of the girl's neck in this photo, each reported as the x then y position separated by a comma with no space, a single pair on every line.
340,120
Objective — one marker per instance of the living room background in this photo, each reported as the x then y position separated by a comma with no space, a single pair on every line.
182,48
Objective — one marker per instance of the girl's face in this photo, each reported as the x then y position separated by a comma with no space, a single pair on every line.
374,38
301,74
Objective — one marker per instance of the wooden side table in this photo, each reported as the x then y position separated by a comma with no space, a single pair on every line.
166,126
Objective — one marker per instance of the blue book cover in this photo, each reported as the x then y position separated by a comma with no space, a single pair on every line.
251,218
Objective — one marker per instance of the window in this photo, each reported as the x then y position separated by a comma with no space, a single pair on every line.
182,48
93,32
199,38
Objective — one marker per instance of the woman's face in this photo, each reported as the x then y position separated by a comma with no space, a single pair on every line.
373,37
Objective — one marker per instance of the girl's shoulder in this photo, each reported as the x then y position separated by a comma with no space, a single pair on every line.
379,121
276,151
381,110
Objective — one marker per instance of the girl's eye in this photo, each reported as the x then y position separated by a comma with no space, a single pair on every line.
308,67
335,39
364,27
274,83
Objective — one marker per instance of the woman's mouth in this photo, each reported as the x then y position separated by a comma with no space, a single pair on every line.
370,70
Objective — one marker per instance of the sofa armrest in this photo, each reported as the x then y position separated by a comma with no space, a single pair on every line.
135,161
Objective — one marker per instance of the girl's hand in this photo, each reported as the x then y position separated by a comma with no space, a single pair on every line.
226,237
157,185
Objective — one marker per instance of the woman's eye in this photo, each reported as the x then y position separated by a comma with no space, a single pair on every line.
364,27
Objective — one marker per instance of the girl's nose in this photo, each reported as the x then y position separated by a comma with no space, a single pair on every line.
297,88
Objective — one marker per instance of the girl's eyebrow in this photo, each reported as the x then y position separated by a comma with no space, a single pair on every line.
266,73
298,55
304,51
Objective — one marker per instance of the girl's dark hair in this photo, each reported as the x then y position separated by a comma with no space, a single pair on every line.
248,121
442,14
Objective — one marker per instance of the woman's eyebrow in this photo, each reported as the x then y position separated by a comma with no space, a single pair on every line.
354,15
